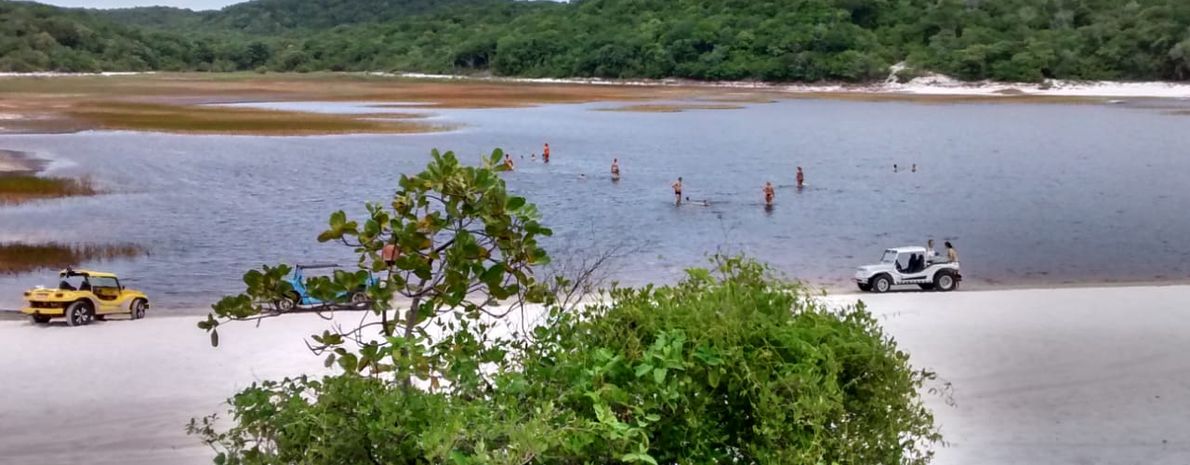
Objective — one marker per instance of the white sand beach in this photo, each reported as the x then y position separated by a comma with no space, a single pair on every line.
1049,376
928,84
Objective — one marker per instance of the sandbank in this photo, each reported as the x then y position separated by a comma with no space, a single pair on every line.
1054,376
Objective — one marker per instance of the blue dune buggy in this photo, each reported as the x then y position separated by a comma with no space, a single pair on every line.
301,298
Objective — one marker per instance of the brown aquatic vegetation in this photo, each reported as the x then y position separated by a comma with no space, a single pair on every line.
227,120
169,101
17,258
19,188
672,108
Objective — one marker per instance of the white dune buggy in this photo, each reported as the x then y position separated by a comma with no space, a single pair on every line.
908,266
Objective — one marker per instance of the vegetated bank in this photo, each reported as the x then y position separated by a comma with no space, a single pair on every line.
772,40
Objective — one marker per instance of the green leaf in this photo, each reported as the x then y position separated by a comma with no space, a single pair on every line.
638,457
659,375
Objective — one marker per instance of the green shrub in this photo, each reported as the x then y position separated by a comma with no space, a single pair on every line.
728,366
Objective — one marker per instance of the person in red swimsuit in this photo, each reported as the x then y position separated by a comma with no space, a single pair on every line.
545,153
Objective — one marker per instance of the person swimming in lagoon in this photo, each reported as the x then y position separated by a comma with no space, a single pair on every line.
698,203
677,186
615,169
545,153
769,192
508,162
801,178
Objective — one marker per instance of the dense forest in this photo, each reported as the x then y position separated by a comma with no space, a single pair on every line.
773,40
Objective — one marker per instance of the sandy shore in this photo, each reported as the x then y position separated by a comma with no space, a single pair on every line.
932,84
1057,376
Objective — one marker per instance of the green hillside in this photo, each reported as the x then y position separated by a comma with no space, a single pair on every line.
774,40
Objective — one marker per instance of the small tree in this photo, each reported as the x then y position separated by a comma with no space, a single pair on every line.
451,241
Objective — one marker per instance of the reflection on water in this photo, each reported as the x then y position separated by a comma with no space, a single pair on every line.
1028,193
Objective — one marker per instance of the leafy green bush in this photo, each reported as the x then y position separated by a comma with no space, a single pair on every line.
728,366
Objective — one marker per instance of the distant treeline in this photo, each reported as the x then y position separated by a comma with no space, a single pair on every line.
772,40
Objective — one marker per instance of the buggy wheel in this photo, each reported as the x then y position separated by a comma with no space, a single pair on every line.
288,303
138,309
945,281
881,284
79,314
359,299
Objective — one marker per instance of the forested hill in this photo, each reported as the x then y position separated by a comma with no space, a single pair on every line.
270,17
775,40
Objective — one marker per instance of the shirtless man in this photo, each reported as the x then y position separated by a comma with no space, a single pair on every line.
678,191
615,169
769,193
801,178
508,162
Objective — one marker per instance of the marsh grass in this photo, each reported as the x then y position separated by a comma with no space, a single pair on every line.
19,188
170,102
17,258
226,120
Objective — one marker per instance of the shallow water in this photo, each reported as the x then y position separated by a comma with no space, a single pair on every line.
1030,194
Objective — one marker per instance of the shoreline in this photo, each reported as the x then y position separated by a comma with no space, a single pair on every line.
929,85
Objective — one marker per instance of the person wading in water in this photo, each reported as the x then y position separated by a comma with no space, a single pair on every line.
678,191
769,193
615,169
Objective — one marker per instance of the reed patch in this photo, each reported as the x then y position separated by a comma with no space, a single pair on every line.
18,257
20,188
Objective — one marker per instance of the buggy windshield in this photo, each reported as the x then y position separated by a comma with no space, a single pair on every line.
71,283
890,256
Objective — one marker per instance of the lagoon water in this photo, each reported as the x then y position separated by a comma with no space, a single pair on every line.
1030,194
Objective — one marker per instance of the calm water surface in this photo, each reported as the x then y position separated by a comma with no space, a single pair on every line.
1030,194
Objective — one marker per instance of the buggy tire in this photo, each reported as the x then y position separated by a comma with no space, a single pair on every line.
945,281
882,283
79,313
288,303
138,309
360,299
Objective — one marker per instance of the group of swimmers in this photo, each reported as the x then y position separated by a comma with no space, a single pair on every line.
768,190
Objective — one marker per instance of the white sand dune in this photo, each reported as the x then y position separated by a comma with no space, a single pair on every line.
1060,376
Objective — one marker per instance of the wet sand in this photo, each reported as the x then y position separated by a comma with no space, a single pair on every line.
1054,376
